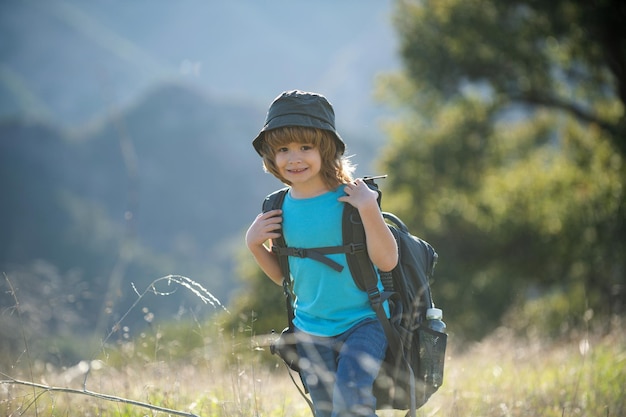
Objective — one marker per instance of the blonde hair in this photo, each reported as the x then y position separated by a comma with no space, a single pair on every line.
336,169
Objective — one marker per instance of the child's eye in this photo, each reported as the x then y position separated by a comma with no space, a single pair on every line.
306,147
283,149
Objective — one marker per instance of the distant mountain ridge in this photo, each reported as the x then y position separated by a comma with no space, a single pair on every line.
168,186
125,140
68,61
191,184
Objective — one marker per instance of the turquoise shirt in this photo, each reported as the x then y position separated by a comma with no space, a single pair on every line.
327,302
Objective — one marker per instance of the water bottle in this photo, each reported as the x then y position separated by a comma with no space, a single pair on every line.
433,350
434,318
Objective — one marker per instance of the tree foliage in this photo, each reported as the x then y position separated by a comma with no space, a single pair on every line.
510,154
567,55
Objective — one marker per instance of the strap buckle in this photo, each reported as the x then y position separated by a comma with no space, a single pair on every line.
356,247
374,296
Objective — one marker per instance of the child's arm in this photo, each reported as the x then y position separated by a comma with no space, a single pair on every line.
381,245
264,227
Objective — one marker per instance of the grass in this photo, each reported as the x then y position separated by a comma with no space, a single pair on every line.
237,386
504,376
199,369
501,376
191,369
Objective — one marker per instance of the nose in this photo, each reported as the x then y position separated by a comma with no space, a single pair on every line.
295,157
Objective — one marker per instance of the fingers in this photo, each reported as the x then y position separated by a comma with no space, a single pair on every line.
358,194
271,218
270,221
265,226
271,213
357,185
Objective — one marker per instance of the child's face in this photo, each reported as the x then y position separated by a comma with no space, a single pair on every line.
299,163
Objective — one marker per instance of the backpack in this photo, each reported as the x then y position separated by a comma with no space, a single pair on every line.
413,367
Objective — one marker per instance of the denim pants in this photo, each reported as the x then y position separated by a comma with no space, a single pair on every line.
339,371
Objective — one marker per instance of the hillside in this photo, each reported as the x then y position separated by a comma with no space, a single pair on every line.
125,136
166,186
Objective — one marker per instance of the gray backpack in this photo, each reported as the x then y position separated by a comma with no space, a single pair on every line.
413,367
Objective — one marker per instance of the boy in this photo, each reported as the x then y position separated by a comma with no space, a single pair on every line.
341,343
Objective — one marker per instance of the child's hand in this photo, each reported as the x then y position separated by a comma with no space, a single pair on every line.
381,245
265,226
359,195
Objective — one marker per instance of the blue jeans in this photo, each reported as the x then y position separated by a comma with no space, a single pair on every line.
339,371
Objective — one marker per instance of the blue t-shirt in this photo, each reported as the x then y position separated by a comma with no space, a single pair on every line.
327,302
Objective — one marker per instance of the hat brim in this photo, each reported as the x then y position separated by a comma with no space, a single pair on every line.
296,119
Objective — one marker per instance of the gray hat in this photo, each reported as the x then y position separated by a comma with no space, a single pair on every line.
299,108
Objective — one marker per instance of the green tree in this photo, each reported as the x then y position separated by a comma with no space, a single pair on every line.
564,55
510,154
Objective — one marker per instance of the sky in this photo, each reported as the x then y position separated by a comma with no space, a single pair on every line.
70,60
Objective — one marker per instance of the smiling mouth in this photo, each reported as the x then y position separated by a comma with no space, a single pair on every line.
297,170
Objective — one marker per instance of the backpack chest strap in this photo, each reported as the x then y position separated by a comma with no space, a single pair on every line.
319,254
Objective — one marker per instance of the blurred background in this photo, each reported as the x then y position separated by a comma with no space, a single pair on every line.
125,156
125,141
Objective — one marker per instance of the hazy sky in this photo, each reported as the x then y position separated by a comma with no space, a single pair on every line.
70,59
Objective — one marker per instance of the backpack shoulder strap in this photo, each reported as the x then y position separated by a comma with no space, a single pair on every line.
362,269
364,272
274,201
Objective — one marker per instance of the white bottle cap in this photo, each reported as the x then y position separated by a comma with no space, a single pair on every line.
434,313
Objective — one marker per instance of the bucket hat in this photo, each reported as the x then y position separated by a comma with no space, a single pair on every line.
299,108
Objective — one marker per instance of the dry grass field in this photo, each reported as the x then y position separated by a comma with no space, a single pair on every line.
236,377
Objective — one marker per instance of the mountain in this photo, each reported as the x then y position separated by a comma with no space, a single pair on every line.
125,141
68,61
165,186
170,182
